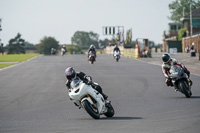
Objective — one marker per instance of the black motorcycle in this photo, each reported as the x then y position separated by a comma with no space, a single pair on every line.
180,80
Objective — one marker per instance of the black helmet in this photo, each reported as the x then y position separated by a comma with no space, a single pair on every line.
166,57
70,73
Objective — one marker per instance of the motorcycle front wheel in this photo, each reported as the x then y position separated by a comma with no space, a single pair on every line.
110,111
117,59
185,89
91,110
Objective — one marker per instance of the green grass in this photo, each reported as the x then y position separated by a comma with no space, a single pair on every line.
6,65
16,57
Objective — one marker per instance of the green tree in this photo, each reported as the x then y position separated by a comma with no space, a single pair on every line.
1,49
128,37
181,33
45,45
178,6
29,46
73,48
103,43
85,39
16,45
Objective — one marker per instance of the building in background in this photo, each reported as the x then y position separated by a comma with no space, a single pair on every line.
192,32
171,36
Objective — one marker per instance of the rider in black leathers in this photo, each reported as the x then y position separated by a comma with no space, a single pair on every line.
116,49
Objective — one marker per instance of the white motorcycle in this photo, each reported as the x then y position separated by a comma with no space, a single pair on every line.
117,55
62,52
92,101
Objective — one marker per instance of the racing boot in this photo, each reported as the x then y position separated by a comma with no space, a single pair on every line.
175,89
77,105
190,82
106,100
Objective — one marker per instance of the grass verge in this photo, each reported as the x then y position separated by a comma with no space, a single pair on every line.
6,65
16,57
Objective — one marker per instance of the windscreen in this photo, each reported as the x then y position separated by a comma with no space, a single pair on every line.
75,83
175,69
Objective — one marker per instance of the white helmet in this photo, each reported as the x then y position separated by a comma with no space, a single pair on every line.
91,46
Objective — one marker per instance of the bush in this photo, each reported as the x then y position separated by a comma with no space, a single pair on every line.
181,33
45,45
74,48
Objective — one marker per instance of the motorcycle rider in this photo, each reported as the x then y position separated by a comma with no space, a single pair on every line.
63,50
71,74
92,49
116,49
168,62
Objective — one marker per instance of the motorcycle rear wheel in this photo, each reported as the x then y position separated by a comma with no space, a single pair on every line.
90,110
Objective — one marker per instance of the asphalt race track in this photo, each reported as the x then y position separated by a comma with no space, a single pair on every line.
34,99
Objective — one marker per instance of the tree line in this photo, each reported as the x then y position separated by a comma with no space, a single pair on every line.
80,40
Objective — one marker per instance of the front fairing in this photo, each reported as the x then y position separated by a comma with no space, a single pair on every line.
91,54
78,89
177,74
81,90
116,53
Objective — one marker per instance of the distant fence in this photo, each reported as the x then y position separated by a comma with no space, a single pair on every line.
126,52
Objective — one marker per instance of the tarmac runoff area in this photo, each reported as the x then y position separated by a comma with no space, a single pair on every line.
191,63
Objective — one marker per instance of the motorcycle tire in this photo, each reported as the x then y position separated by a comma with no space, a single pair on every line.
184,89
110,111
89,109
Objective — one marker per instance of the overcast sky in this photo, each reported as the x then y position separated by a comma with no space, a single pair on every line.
35,19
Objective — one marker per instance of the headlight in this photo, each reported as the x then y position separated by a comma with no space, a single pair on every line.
176,73
77,90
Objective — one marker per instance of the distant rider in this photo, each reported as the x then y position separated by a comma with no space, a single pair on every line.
168,62
63,49
71,75
116,49
92,49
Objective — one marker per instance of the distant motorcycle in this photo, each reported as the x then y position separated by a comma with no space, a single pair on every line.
180,80
91,58
62,52
84,96
117,55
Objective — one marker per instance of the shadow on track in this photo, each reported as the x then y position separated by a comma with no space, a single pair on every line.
116,118
183,97
120,118
195,97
